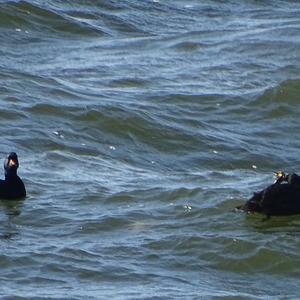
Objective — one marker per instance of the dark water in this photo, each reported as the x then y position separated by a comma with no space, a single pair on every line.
139,126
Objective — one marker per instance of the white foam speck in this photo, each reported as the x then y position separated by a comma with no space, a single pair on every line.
59,134
187,207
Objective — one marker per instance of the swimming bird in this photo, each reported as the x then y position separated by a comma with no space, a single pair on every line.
279,199
12,187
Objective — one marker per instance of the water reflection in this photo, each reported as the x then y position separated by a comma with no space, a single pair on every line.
12,210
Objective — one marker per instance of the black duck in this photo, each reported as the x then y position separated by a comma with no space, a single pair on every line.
12,187
279,199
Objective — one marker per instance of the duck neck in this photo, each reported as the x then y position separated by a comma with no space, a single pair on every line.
10,175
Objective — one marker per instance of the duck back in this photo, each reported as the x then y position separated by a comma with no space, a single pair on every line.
276,200
281,199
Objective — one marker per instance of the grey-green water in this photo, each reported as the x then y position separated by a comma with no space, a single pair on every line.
140,125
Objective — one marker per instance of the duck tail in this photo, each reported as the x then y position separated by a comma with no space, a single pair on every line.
253,204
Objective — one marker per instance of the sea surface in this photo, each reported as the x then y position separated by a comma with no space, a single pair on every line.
139,126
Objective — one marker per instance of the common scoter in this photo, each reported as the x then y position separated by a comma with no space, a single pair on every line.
12,187
279,199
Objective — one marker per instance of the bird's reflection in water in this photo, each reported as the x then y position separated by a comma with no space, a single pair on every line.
12,210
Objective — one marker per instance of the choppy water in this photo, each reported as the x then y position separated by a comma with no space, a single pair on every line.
139,126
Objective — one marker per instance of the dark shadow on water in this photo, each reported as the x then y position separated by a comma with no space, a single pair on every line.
9,235
274,224
12,209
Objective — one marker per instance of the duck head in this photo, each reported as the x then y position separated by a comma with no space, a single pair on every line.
11,164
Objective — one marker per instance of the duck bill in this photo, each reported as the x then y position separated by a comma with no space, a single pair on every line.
12,163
